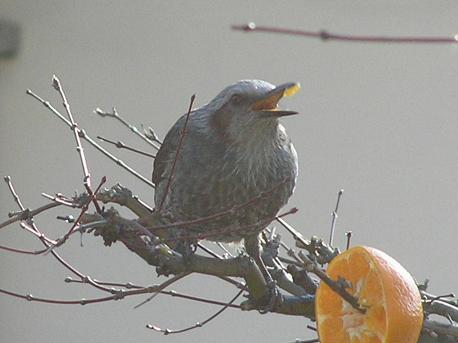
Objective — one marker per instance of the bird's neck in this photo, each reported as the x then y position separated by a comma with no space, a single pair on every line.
256,150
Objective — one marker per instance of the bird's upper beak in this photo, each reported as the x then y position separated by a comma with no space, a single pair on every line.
267,106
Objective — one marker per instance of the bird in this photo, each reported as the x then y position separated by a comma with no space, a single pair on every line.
228,167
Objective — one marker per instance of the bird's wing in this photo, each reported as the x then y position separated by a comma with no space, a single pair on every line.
166,154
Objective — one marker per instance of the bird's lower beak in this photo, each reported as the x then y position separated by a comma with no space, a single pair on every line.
267,106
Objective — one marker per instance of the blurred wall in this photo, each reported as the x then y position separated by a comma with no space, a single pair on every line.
378,120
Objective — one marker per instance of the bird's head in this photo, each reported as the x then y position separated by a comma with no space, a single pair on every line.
249,108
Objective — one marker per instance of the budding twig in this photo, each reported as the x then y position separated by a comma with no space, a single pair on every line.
85,136
114,114
334,217
198,324
121,145
327,36
171,293
47,242
163,286
26,214
74,127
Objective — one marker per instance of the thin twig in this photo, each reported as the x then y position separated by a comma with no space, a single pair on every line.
348,234
114,114
85,136
327,36
177,154
163,286
337,287
198,324
60,199
313,340
121,145
74,126
46,242
334,218
22,251
118,295
171,293
223,248
83,211
26,214
296,235
150,134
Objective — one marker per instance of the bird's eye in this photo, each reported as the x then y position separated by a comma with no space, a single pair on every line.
236,99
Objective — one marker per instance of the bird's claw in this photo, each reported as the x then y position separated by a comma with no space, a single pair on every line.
272,298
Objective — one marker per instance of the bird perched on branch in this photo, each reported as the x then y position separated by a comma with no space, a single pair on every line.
228,167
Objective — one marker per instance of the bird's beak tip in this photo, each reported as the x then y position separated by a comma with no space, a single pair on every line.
268,105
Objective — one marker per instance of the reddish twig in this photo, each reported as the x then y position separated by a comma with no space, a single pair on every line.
198,324
47,242
177,154
83,211
326,36
34,231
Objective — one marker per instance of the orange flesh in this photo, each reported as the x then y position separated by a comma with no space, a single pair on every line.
383,287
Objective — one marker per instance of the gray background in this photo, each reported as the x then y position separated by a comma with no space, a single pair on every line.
379,121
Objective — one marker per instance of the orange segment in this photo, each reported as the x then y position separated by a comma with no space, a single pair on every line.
383,287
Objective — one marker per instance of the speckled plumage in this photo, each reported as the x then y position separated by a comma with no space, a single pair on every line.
230,155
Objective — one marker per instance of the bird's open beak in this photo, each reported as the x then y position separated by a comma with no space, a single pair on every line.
267,106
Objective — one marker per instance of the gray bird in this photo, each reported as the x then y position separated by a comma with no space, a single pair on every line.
235,169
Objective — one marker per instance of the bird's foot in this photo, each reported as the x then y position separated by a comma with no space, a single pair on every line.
186,249
269,302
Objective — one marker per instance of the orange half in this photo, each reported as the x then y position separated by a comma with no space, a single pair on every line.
383,287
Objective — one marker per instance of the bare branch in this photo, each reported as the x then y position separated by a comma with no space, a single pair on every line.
85,136
334,217
121,145
114,114
79,148
46,242
198,324
27,214
327,36
22,251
